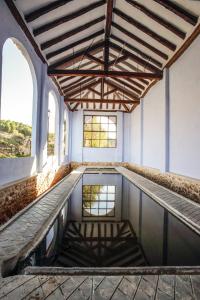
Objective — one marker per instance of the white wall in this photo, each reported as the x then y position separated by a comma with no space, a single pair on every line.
80,153
18,168
165,131
185,113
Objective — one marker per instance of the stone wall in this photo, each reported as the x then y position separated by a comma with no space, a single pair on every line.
19,194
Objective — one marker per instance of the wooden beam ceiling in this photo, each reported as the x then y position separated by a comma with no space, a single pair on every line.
102,73
179,11
45,10
67,18
163,41
157,18
109,15
70,33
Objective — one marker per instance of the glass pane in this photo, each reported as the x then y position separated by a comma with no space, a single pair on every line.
96,119
88,119
86,189
104,127
112,120
112,127
95,135
111,197
103,143
104,119
87,204
88,127
87,143
112,135
94,211
103,189
95,143
103,135
102,197
96,127
110,205
102,204
111,143
111,189
102,212
87,135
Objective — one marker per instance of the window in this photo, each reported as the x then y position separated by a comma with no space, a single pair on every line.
99,200
18,91
100,131
51,125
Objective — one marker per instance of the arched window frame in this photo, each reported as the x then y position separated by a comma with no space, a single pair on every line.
25,52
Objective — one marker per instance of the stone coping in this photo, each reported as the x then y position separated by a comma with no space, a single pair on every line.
183,208
20,235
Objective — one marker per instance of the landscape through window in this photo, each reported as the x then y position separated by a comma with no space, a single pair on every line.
100,131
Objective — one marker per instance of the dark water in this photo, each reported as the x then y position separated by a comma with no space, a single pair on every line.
110,222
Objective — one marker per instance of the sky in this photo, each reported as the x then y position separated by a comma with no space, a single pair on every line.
17,86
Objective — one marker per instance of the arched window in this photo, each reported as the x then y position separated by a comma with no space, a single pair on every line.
65,133
51,139
17,93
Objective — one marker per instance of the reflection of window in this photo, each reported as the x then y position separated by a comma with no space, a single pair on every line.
99,200
16,101
100,131
51,125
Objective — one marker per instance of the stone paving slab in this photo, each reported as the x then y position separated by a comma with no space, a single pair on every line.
22,233
186,210
101,287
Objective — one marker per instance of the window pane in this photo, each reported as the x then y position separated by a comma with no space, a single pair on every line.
96,127
104,120
87,135
111,189
87,143
95,143
103,143
112,120
112,135
95,135
88,127
96,119
88,119
112,127
112,143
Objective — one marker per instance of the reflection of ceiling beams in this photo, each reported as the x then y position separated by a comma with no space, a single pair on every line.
102,73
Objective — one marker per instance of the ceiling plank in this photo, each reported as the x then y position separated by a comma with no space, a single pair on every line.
78,84
157,18
83,88
102,101
140,41
135,58
67,18
109,15
179,11
45,10
138,51
70,33
72,59
72,45
145,29
102,73
117,60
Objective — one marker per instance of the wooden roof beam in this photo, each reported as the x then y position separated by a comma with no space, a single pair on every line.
117,60
109,15
72,45
45,10
70,33
95,59
84,87
138,51
71,59
101,101
122,90
67,18
145,29
79,84
102,73
126,84
140,41
157,18
135,58
179,11
109,92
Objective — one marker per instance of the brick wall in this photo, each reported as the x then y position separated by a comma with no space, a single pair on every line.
18,195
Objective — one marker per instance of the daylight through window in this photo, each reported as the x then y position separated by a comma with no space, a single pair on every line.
100,131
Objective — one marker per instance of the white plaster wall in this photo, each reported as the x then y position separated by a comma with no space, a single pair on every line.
18,168
135,136
154,127
80,153
185,113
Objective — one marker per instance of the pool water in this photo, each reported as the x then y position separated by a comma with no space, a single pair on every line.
109,222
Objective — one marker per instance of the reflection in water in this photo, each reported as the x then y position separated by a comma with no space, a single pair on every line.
98,200
110,222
